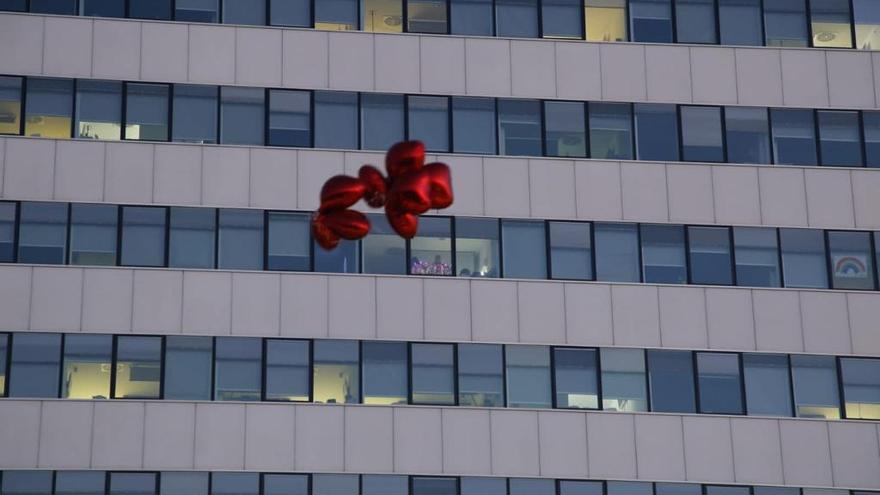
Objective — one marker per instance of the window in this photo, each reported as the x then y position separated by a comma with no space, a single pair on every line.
10,105
605,20
138,368
519,127
289,241
429,119
244,12
830,23
611,131
748,135
575,376
433,374
719,381
7,232
757,256
815,386
235,483
840,141
516,18
191,243
382,120
285,484
241,115
571,251
150,9
871,124
289,118
48,108
803,258
336,15
785,23
344,259
66,7
35,365
561,19
93,230
197,10
794,136
623,380
184,483
431,248
384,251
143,236
133,484
288,370
295,13
473,124
42,234
79,482
378,484
740,22
476,247
336,118
483,486
194,112
422,485
650,21
98,109
480,375
86,372
701,136
4,350
188,368
695,21
628,488
524,249
851,260
472,17
663,254
710,255
240,239
727,490
336,379
677,489
777,490
867,18
767,384
528,376
382,15
861,387
656,127
567,487
426,16
27,483
335,484
385,372
102,8
526,486
671,381
617,252
237,369
565,131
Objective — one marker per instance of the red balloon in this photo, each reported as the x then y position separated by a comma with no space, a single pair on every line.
376,187
340,191
403,157
440,184
411,193
404,223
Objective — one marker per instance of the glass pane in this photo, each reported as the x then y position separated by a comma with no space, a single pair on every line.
519,127
768,387
336,15
98,109
867,16
582,487
794,136
10,105
384,251
336,119
528,375
571,251
244,12
7,232
748,135
241,115
66,7
701,136
677,489
476,247
561,19
191,243
238,369
87,366
473,123
565,132
27,483
80,482
42,234
831,25
803,258
138,367
483,486
628,488
524,249
815,386
471,17
289,241
240,239
132,484
429,119
663,254
143,236
516,18
695,21
480,375
840,139
385,372
384,16
785,23
184,483
102,8
740,22
285,484
605,20
650,21
617,252
871,124
426,16
296,13
720,385
434,486
93,232
727,490
335,372
861,387
150,9
196,10
433,374
710,255
575,376
48,108
623,380
382,120
851,260
611,131
188,367
671,381
195,112
431,248
146,112
335,484
4,351
289,118
288,370
524,486
656,131
344,259
377,484
235,483
757,257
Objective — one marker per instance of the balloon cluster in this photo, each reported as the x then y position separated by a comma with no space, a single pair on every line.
411,188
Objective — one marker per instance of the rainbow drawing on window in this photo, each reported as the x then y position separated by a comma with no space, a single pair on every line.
848,266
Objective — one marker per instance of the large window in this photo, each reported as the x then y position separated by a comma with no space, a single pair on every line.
695,21
617,252
184,483
710,255
138,368
611,131
285,484
565,131
336,375
426,16
242,115
346,258
867,17
571,251
748,135
650,21
431,248
133,484
483,486
102,8
524,249
150,9
288,370
235,483
379,484
191,238
663,254
757,257
336,118
80,483
434,486
10,105
477,247
382,120
671,381
197,10
740,22
93,229
238,369
336,15
528,376
433,374
803,258
473,124
830,23
244,12
840,140
516,18
87,365
7,232
561,19
767,384
531,486
48,108
289,241
794,136
188,367
656,128
335,484
720,387
472,17
851,260
65,7
194,112
519,127
35,365
871,125
146,112
861,387
98,110
701,136
568,487
296,13
384,251
382,15
42,234
785,23
428,120
289,118
481,375
240,239
143,236
4,351
815,387
576,378
605,20
27,483
385,372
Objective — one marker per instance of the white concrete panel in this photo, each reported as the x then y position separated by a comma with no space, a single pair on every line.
683,317
757,454
777,320
169,435
118,441
659,447
506,186
855,454
611,446
19,433
713,71
273,178
15,297
514,443
541,312
162,55
319,438
313,169
304,306
736,193
257,56
441,65
467,184
107,300
644,192
623,72
394,69
691,199
825,322
668,70
447,310
533,69
399,309
352,307
758,76
850,79
418,441
56,299
211,50
269,433
117,50
863,323
490,324
66,434
305,61
157,302
129,173
588,314
225,176
578,71
563,444
707,448
79,171
866,201
67,47
783,196
806,454
256,303
207,302
351,61
29,169
552,189
829,198
21,43
178,174
804,78
369,439
216,451
636,315
730,319
466,441
487,67
599,195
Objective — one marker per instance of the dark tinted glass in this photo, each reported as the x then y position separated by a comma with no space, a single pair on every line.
93,234
297,13
476,247
483,486
740,22
336,15
650,21
656,131
194,112
102,8
523,247
727,490
525,486
191,243
473,123
289,118
132,484
671,381
13,5
237,369
567,487
720,385
426,16
346,258
27,483
67,7
701,136
335,484
431,249
710,255
767,383
628,488
861,387
748,135
519,127
7,232
528,375
48,108
785,23
149,9
382,120
695,21
433,374
288,370
831,23
429,121
4,350
565,132
677,489
663,254
617,252
871,124
778,490
235,483
516,18
98,109
336,374
197,10
42,234
562,19
241,115
244,12
240,239
575,376
143,236
188,365
852,265
336,119
87,365
840,139
289,241
138,368
814,379
385,372
757,256
611,131
184,483
571,250
383,250
794,136
285,484
480,375
79,483
377,484
471,17
624,387
10,105
434,486
803,258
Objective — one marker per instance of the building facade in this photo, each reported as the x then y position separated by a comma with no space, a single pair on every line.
659,276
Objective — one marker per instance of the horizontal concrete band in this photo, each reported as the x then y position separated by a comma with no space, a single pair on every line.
430,440
217,54
226,176
162,301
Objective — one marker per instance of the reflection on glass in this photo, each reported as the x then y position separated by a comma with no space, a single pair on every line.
720,386
871,125
93,234
146,112
757,257
433,374
64,7
785,23
79,482
431,248
385,372
473,124
561,19
528,376
252,12
235,483
194,112
426,16
26,483
727,490
867,16
528,486
740,22
663,254
852,266
628,488
516,18
671,381
188,368
422,485
524,247
565,131
287,370
240,239
650,21
197,10
695,21
381,484
138,367
86,372
98,110
814,379
241,115
617,252
472,17
295,13
677,489
382,120
701,136
483,486
150,9
143,236
344,259
567,487
335,372
289,240
102,8
7,232
861,387
803,258
285,484
10,105
382,16
605,20
840,143
710,256
191,242
184,483
336,119
48,108
571,252
767,383
289,118
480,375
383,250
336,15
748,135
519,127
794,136
42,233
476,247
132,484
830,23
575,376
428,119
238,370
335,484
611,131
656,131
